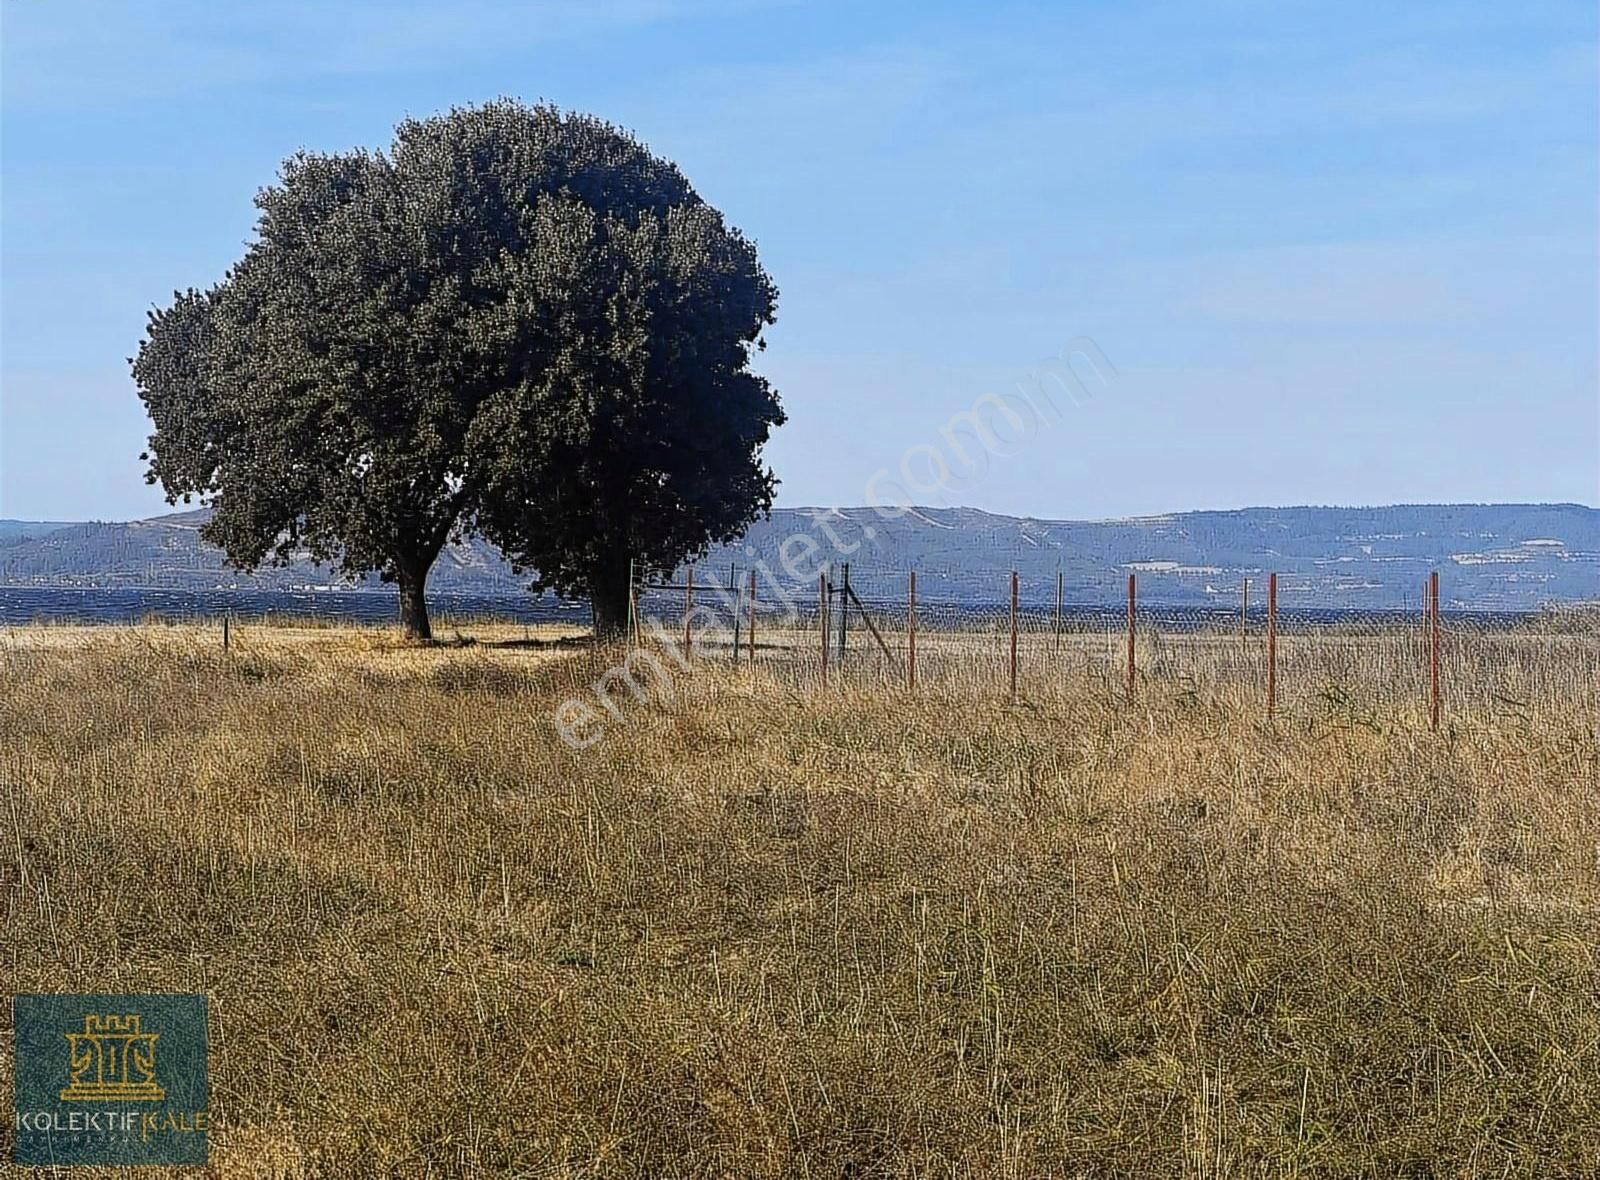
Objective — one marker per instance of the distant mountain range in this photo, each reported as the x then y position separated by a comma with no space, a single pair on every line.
17,530
1499,556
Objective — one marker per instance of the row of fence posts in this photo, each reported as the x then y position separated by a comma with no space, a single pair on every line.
744,613
1430,609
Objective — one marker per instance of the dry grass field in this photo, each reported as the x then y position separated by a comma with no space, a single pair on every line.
770,927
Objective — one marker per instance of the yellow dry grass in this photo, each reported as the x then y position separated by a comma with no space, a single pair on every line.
768,927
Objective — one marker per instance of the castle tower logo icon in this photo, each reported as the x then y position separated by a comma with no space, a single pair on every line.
110,1079
113,1058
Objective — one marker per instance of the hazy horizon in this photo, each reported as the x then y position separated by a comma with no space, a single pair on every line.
1050,517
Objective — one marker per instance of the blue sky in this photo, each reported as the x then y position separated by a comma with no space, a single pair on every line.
1337,253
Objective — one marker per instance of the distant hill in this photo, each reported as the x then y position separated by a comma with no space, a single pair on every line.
21,530
1504,556
166,551
1490,556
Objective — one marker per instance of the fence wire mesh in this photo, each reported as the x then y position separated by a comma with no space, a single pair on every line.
864,627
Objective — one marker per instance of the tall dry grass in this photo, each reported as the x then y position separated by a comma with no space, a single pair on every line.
768,927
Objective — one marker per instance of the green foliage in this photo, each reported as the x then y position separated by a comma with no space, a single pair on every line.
517,322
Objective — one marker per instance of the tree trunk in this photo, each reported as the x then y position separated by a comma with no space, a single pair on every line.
413,606
608,599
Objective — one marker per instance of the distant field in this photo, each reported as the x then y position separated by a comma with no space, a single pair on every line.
771,926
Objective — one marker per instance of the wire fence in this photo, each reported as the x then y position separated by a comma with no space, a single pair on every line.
871,627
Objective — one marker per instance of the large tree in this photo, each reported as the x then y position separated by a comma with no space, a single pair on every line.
517,322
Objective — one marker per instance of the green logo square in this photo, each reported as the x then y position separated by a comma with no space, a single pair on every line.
111,1080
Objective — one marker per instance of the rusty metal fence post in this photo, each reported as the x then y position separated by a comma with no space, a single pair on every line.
822,620
1013,634
1433,648
1058,610
844,612
752,617
911,633
688,617
1131,594
1272,644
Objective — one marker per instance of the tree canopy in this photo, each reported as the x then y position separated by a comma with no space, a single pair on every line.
517,322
